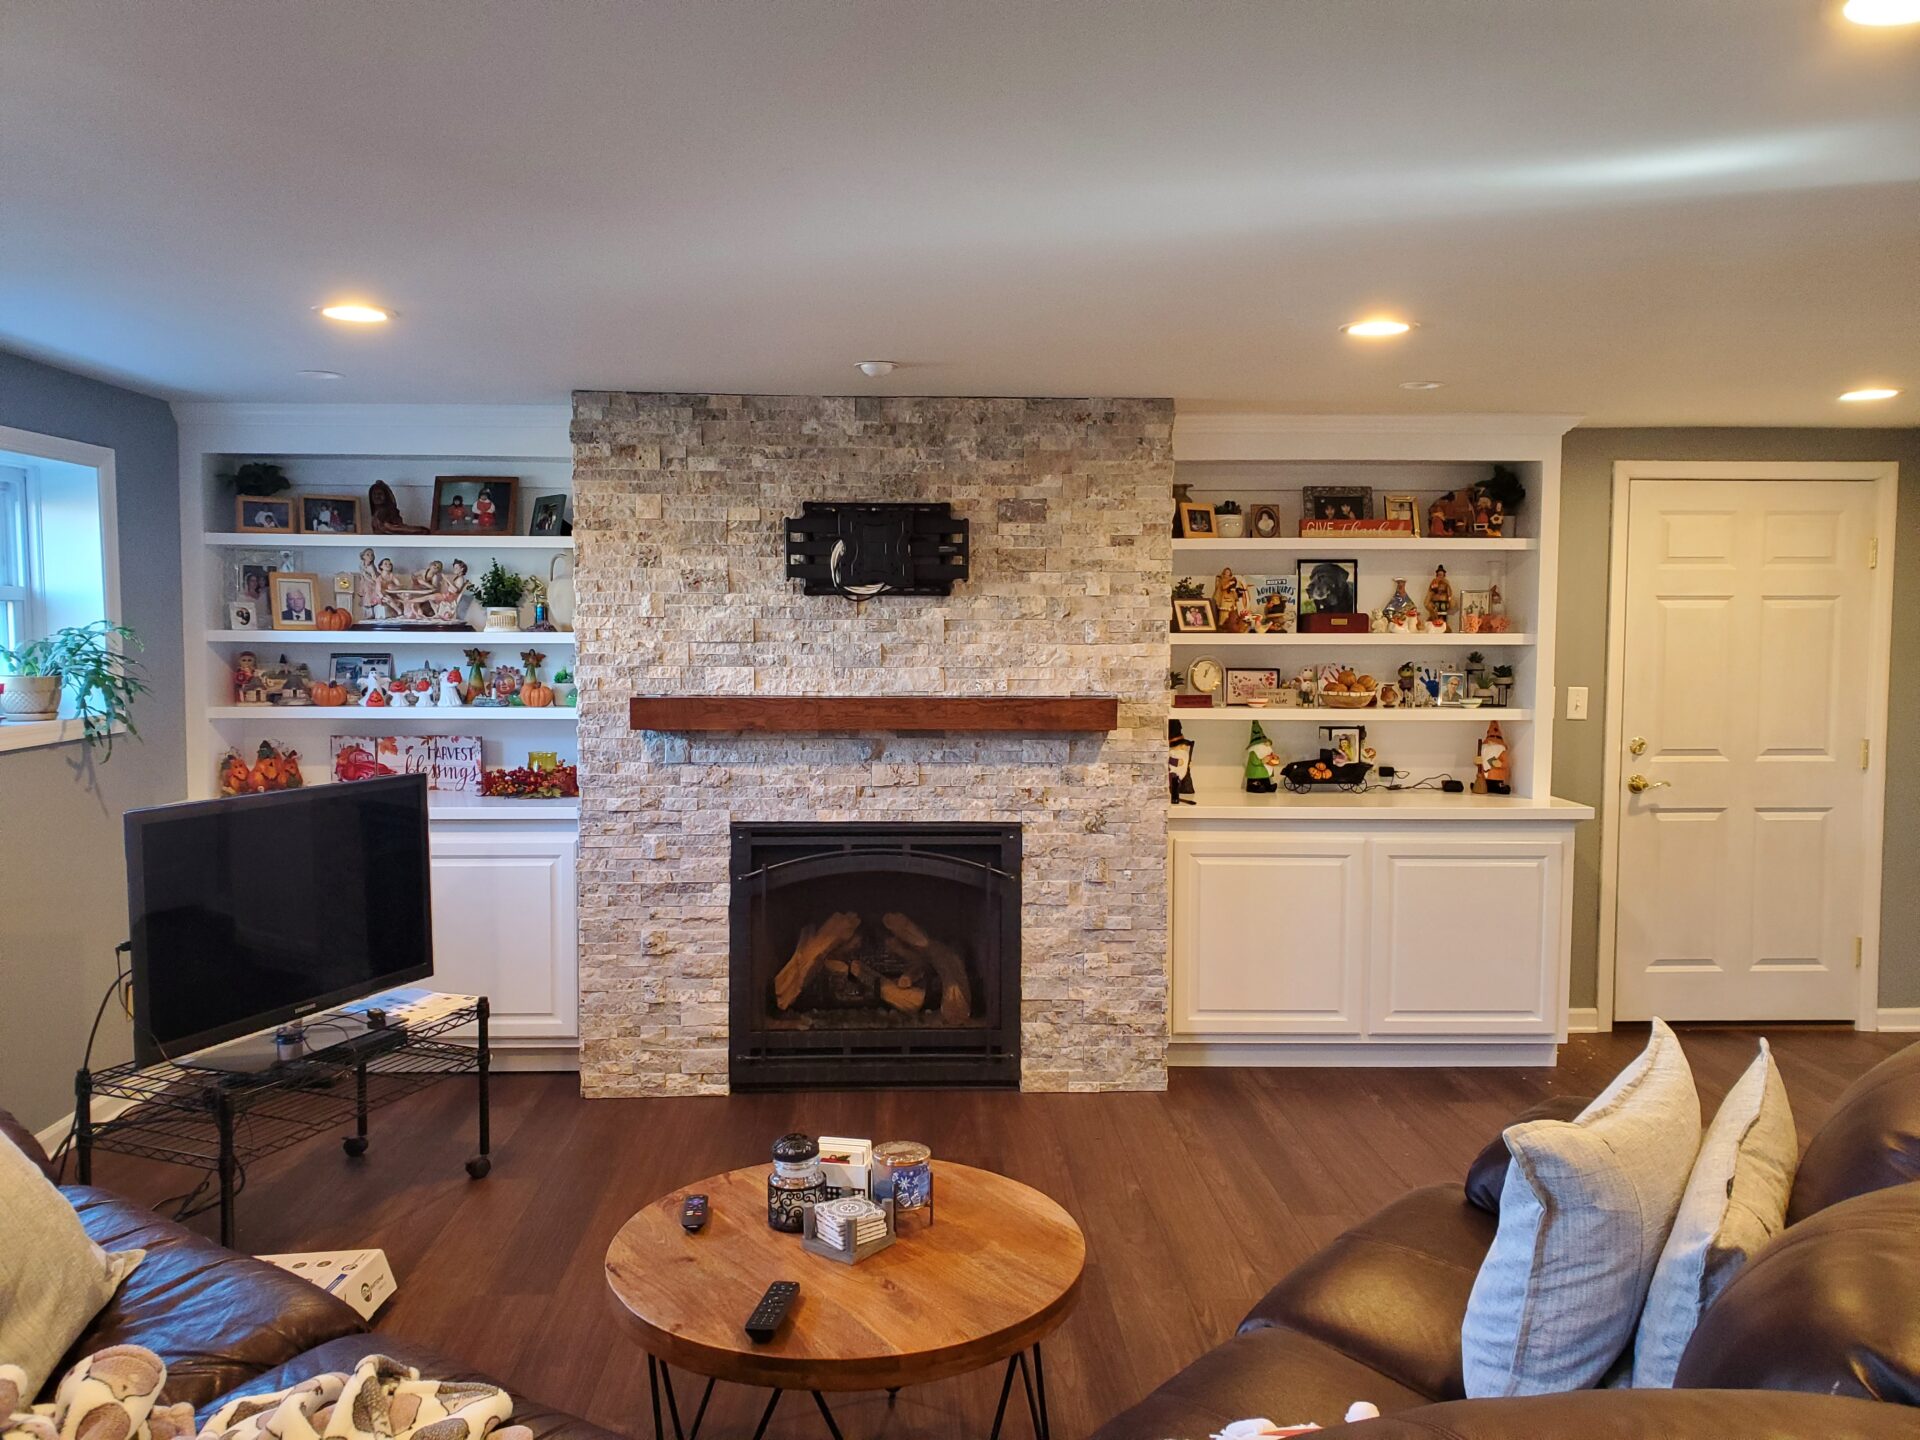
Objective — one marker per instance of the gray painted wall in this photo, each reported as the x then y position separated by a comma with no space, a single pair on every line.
1585,523
63,900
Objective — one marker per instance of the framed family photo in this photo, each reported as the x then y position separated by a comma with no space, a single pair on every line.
1401,507
328,514
1336,502
549,516
264,515
1192,616
473,504
1197,522
295,601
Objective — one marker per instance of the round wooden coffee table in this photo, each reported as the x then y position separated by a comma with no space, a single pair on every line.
995,1273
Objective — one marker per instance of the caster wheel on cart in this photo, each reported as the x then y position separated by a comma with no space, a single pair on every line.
478,1166
355,1145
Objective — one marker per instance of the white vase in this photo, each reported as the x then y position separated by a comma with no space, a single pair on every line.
1230,527
503,617
29,697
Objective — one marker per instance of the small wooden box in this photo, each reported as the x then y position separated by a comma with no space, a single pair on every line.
809,1240
1331,622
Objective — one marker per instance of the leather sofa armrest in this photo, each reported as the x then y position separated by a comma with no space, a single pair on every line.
1646,1415
28,1142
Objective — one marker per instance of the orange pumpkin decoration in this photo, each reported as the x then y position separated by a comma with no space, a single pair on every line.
332,617
327,692
536,695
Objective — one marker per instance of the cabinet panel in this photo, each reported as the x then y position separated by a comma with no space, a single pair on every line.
1467,936
504,927
1268,935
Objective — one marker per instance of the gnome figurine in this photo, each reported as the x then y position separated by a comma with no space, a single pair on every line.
1263,763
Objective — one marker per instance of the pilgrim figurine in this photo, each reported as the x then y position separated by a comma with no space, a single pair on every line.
1439,598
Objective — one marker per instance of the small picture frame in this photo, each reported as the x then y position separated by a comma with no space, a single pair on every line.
1252,684
1453,689
1194,617
328,514
549,516
294,600
1197,521
264,514
346,667
474,504
243,615
1343,744
1475,607
1336,502
1401,507
1264,522
1327,586
247,574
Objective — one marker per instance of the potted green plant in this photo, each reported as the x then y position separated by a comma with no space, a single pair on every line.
1228,520
1502,685
565,693
1477,676
89,662
500,591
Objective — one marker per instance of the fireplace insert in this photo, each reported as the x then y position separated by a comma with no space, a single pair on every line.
874,955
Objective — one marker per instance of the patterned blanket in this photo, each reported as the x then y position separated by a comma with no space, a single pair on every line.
114,1394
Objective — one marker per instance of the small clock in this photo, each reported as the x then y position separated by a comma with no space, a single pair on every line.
1205,675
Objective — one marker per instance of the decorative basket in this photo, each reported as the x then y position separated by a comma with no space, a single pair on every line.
1334,700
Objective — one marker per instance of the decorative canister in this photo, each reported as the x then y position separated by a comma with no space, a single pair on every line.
795,1182
905,1169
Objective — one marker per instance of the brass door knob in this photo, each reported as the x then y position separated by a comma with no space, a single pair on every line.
1639,783
1637,745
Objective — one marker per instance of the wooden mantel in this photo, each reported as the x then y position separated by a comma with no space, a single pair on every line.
831,714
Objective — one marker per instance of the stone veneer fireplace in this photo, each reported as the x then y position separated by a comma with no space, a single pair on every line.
679,501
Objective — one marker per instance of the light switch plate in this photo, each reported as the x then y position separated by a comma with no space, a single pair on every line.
1576,702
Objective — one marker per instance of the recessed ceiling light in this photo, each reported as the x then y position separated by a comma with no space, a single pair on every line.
1378,328
1882,12
318,374
1422,384
357,314
874,369
1870,392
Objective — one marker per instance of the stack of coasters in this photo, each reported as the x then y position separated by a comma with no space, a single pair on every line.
849,1223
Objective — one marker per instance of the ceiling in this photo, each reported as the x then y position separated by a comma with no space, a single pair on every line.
1645,211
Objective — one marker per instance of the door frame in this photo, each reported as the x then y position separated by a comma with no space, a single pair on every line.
1885,478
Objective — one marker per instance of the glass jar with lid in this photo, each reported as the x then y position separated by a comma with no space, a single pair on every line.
795,1181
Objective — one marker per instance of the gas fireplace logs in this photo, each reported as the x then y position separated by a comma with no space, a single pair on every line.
816,944
917,960
907,941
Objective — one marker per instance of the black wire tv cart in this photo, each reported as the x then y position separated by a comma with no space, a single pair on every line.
221,1123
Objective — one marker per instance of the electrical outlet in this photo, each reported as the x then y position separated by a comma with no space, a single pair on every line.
1576,702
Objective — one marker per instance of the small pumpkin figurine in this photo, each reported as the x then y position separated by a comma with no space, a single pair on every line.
332,617
266,770
290,776
327,692
535,693
235,777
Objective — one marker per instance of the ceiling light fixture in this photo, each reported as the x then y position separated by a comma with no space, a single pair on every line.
354,313
1870,392
318,374
874,369
1378,328
1882,12
1422,384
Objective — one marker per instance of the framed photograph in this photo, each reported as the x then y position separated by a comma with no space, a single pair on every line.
247,572
347,667
473,504
1343,742
549,516
1197,522
1329,586
243,615
1264,523
1245,685
263,514
1453,687
294,600
328,514
1337,502
1192,616
1401,507
1475,606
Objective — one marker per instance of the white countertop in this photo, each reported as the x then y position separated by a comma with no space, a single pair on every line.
1319,805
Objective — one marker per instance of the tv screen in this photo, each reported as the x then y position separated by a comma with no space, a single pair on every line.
252,911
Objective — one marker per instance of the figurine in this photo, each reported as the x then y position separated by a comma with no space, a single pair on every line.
373,690
474,690
1399,604
246,679
385,510
450,693
235,777
1263,762
1495,769
1179,765
1226,594
1439,598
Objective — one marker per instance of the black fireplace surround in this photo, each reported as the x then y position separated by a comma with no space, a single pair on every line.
874,955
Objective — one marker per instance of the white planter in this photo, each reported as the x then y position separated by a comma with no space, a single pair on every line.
30,697
503,617
1230,527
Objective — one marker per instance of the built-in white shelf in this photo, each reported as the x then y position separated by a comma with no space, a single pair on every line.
1332,804
376,639
302,540
1250,554
1193,640
453,719
1366,715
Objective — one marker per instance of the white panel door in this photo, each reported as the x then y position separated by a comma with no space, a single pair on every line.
503,927
1468,936
1268,934
1748,614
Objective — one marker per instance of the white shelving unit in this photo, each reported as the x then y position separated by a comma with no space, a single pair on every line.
504,901
1392,926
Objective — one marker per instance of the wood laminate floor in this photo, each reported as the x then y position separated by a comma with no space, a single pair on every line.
1193,1202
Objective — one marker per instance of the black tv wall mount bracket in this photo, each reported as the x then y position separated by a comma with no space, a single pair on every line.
862,551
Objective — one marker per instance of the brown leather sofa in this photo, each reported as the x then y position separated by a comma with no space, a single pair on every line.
1817,1339
227,1324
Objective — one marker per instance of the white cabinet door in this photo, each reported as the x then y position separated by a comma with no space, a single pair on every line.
1268,934
1468,936
503,927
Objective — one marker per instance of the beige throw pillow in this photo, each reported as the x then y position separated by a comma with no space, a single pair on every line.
1583,1215
1735,1202
53,1279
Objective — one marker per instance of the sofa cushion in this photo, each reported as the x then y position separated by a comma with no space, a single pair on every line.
1870,1141
1391,1291
1273,1372
53,1278
1488,1172
1736,1201
347,1352
1831,1306
215,1317
1583,1216
1645,1415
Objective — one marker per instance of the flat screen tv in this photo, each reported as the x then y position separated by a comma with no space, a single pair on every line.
253,911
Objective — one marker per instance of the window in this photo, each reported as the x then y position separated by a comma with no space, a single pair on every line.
16,551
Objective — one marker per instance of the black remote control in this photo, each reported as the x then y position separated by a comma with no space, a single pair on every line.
771,1312
693,1213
